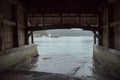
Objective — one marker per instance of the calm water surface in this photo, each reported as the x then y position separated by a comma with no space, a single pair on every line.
67,55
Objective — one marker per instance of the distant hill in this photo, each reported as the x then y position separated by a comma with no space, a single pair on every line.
66,32
40,33
63,32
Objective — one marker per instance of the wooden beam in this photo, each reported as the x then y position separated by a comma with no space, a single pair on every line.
100,31
62,26
15,28
110,30
114,24
17,3
58,11
0,28
30,15
1,33
26,31
11,23
30,33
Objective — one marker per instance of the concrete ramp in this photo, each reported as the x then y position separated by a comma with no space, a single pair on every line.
110,58
11,57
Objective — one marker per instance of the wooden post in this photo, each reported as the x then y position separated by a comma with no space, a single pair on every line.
94,37
110,30
0,36
26,37
32,38
15,28
0,28
100,38
26,31
1,33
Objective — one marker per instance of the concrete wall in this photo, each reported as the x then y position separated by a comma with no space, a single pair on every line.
110,58
13,56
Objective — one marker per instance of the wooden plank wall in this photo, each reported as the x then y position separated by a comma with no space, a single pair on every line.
21,27
6,30
114,26
7,25
64,18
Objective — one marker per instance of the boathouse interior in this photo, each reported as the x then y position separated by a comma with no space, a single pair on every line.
20,18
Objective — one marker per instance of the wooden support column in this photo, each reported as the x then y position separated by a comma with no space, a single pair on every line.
96,35
0,35
26,37
30,33
110,29
26,31
32,38
15,28
95,42
100,38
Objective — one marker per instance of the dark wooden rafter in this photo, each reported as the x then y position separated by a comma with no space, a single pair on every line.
62,6
62,26
76,15
18,3
57,11
15,28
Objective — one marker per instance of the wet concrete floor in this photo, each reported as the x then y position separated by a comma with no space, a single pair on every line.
22,72
60,60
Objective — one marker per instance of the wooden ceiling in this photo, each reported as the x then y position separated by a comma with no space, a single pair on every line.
62,6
